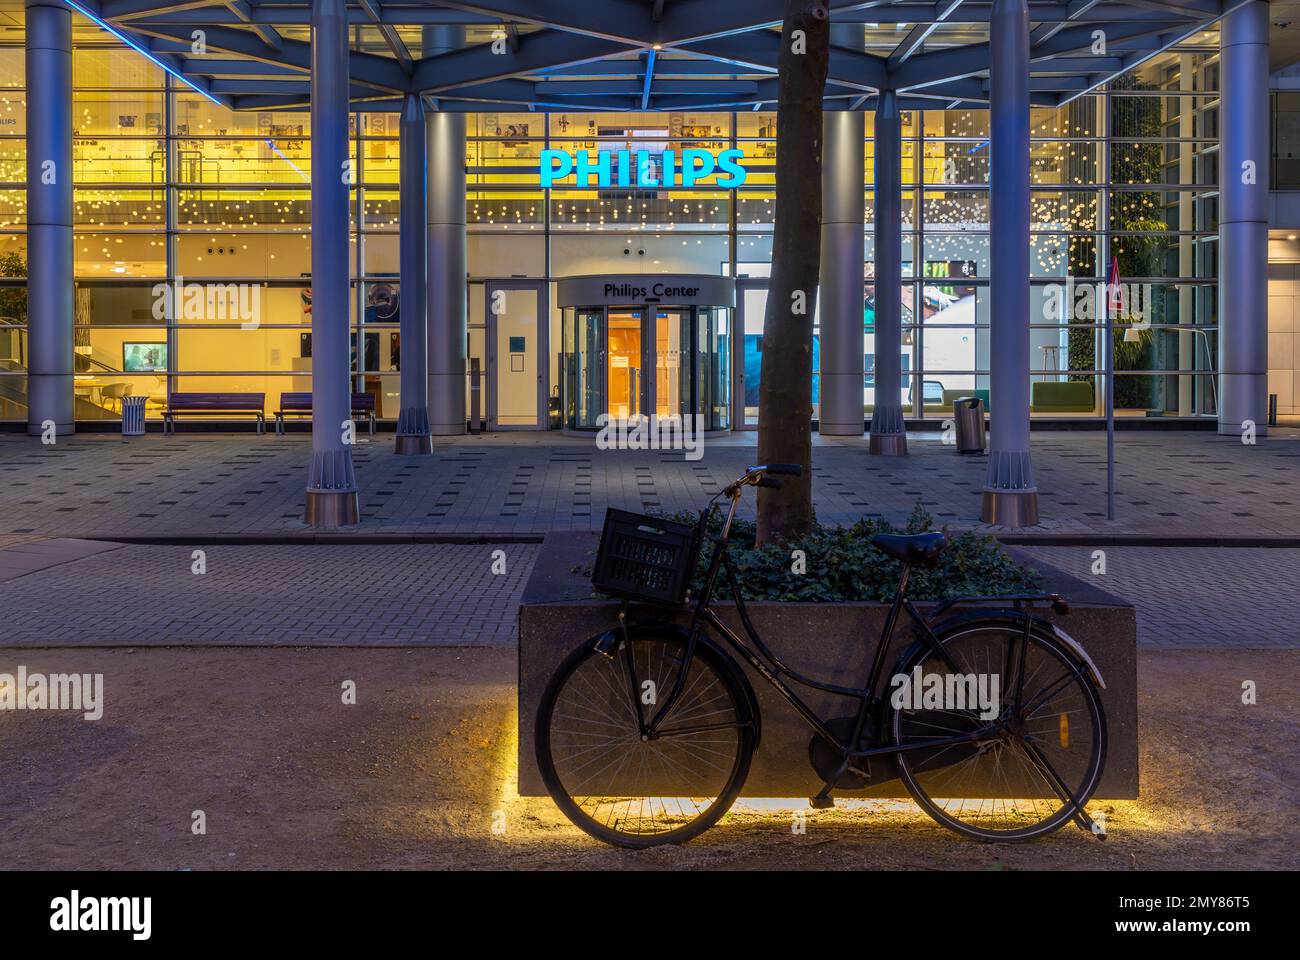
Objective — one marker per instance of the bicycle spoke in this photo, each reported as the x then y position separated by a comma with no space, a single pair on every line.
628,785
1025,772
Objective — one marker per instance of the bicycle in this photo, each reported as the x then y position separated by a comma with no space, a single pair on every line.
637,769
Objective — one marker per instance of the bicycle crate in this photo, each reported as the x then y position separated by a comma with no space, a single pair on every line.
645,558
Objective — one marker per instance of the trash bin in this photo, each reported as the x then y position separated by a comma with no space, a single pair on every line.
133,416
968,413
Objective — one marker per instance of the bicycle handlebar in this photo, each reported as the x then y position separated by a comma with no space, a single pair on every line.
757,476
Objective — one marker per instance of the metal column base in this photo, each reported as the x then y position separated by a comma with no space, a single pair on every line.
1010,508
332,508
413,445
839,429
888,444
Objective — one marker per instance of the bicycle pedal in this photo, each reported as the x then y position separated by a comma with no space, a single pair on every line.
821,803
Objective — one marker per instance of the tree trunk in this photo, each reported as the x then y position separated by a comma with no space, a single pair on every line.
785,388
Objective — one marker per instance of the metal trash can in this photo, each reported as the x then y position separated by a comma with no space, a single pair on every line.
968,413
133,416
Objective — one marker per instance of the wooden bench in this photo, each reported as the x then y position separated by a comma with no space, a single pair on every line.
299,405
215,405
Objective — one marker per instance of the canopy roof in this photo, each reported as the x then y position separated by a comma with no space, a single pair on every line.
630,55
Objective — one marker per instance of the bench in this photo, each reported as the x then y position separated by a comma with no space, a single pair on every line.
952,396
299,405
1071,396
215,405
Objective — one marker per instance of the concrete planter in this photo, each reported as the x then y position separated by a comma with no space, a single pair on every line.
830,641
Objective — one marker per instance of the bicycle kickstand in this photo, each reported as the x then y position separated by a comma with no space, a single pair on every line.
824,800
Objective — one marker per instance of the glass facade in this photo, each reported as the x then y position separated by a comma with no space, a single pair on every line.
193,244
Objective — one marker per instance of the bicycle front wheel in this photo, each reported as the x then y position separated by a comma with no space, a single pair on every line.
621,787
1034,766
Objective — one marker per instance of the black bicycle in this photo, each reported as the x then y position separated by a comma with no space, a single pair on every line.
645,733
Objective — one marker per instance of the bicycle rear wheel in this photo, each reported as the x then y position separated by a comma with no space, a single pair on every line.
1051,739
626,790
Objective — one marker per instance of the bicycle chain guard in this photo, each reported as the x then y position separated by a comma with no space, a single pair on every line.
826,759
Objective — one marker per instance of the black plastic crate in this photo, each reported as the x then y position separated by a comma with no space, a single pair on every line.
645,558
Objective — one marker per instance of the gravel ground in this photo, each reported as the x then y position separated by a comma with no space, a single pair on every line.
417,774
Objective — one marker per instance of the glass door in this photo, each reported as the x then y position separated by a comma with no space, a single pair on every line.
584,370
674,362
713,366
751,304
518,336
625,384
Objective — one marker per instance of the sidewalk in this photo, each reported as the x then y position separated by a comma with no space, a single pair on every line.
419,771
196,485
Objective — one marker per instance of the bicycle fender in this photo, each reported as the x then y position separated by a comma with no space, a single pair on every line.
651,627
1016,618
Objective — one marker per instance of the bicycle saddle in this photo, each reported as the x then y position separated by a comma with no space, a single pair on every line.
915,549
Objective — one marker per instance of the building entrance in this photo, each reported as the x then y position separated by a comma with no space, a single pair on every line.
658,345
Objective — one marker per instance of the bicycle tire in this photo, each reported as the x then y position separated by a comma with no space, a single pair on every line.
1082,782
710,667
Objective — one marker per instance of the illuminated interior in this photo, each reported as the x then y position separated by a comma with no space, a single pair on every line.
171,188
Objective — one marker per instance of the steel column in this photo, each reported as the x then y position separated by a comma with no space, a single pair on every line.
413,419
1010,496
888,434
331,484
1243,221
50,289
448,323
840,299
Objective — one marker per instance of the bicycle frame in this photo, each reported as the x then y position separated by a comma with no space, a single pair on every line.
771,667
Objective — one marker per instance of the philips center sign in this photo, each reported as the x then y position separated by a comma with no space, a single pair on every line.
643,169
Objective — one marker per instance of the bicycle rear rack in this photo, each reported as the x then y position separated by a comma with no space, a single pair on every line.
1018,601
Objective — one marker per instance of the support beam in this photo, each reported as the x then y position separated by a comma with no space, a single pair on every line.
390,35
447,254
840,284
331,484
244,11
50,289
888,435
1076,10
1010,496
446,279
920,32
413,417
540,51
1243,221
649,79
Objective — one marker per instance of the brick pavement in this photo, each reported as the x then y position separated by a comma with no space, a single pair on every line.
266,595
201,484
446,595
1200,597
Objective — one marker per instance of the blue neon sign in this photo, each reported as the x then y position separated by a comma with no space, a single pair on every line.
642,169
